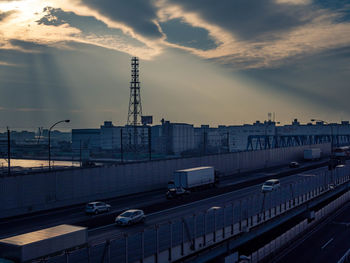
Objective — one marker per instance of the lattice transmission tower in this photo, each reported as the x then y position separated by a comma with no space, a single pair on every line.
135,107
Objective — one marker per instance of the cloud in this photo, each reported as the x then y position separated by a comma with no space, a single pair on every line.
66,22
50,19
249,19
4,15
268,41
26,45
241,33
321,79
32,110
25,109
140,15
184,34
8,64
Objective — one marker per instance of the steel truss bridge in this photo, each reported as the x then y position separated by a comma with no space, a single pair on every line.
263,142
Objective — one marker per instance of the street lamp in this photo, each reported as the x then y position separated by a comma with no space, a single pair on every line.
331,132
50,139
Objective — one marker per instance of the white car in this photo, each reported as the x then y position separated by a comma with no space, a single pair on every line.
270,185
213,209
129,217
97,207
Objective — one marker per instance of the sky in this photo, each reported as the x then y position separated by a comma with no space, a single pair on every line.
201,61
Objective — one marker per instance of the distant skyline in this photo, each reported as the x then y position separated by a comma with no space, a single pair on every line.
224,64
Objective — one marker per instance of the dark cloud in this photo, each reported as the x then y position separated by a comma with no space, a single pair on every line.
4,15
137,14
342,7
26,45
321,79
184,34
248,19
50,19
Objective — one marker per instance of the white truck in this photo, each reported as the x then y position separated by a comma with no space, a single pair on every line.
190,179
312,154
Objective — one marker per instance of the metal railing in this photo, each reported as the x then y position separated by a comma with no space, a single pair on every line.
182,237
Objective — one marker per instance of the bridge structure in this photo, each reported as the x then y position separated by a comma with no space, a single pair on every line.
263,142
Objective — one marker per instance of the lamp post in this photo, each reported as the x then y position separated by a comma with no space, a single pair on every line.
50,139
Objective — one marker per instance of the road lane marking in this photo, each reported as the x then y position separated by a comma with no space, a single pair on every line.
238,192
178,207
326,244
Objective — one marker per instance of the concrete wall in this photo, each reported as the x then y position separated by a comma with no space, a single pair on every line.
33,192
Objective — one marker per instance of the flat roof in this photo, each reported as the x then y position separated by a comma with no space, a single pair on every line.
36,236
195,169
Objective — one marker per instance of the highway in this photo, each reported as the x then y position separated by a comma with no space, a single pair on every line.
168,223
149,201
327,242
176,213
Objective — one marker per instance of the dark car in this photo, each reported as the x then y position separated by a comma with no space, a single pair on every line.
294,164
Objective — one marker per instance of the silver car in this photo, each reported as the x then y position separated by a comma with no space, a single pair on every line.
130,217
97,207
270,185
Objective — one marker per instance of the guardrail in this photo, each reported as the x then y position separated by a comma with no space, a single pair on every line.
269,250
182,237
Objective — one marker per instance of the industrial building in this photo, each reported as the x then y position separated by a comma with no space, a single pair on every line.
176,139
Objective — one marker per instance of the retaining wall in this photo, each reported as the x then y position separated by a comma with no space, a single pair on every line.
39,191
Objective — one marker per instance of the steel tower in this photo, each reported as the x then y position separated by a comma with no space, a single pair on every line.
135,108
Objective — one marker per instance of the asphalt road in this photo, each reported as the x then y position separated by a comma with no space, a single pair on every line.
235,205
72,215
252,203
327,243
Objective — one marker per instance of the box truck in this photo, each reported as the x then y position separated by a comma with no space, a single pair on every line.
190,179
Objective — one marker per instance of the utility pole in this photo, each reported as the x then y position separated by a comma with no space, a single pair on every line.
150,142
8,151
121,145
80,153
204,142
228,141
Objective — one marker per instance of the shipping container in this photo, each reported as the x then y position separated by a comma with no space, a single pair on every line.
41,243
